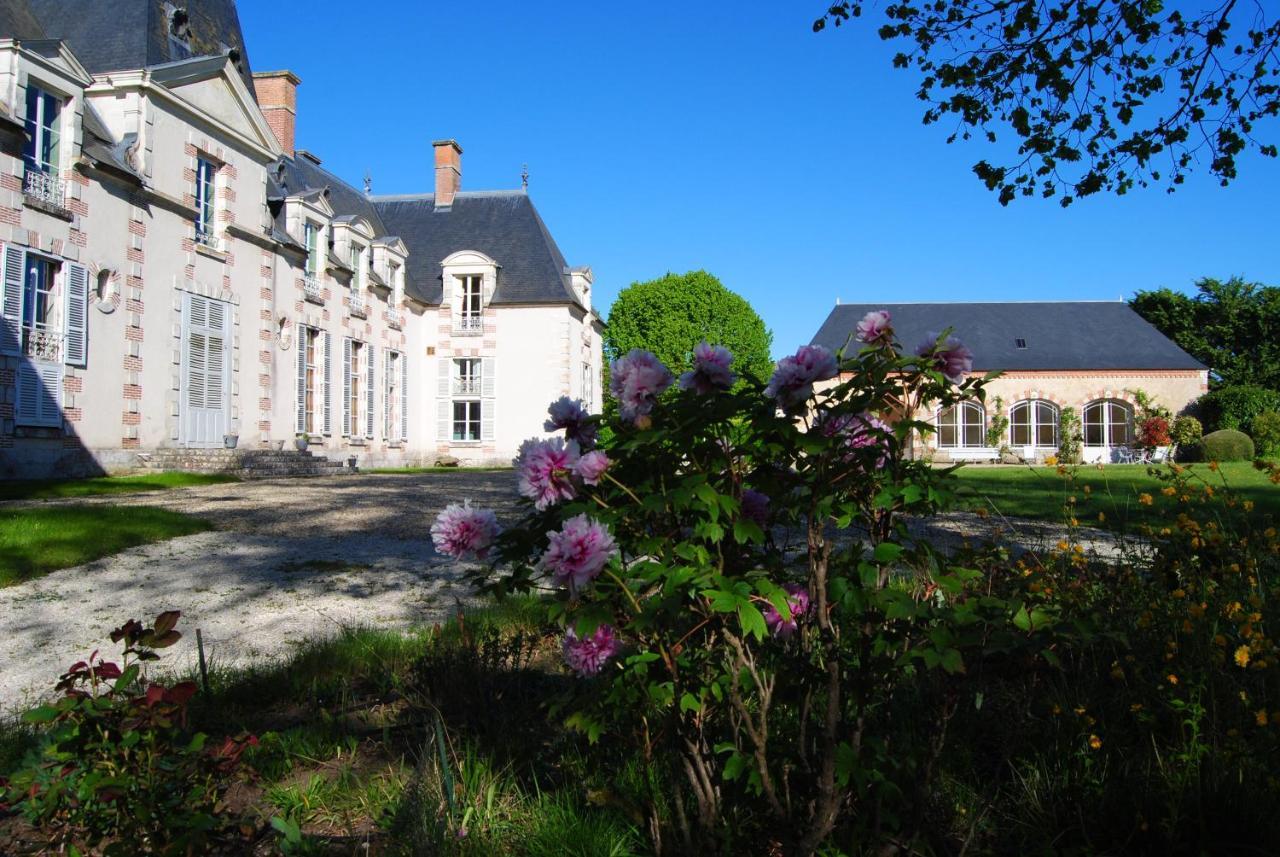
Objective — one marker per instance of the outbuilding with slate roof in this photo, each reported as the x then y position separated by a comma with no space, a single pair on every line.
1092,356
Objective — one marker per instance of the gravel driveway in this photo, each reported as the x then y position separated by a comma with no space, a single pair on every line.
296,559
292,560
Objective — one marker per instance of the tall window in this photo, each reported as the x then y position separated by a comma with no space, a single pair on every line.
354,375
588,386
963,425
468,382
311,240
357,266
39,309
205,172
41,148
311,375
1108,423
396,281
1034,423
471,301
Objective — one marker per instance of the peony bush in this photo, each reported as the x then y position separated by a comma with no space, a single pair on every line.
738,592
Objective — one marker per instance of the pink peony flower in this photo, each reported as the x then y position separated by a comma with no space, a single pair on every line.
858,431
462,532
793,380
952,358
591,467
798,601
579,552
568,414
874,328
636,380
588,655
755,507
544,468
710,370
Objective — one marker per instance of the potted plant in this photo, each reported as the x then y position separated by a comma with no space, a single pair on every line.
302,441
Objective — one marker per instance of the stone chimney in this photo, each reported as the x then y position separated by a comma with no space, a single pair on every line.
278,100
448,171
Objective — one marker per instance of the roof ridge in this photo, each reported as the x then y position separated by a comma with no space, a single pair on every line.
416,197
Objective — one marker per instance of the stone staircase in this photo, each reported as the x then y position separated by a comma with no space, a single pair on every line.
245,463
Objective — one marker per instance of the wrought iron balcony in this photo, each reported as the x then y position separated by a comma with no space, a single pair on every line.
46,187
42,343
395,318
468,325
359,306
205,237
311,288
466,386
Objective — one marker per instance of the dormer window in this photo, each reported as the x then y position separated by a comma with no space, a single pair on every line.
40,152
358,267
311,241
205,173
471,291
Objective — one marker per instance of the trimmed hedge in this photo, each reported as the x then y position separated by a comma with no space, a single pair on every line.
1235,407
1266,433
1227,445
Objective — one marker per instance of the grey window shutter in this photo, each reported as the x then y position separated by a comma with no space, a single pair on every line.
15,262
444,420
444,407
77,314
371,398
404,398
328,383
39,394
302,380
488,388
346,387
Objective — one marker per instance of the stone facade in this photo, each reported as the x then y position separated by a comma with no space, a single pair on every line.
182,299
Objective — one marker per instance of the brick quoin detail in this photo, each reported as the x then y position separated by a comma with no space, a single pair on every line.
6,411
129,443
78,238
73,415
73,384
131,419
11,182
134,254
132,391
133,364
189,150
133,334
133,305
137,227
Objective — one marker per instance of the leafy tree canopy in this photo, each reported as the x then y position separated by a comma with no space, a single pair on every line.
1233,327
1101,95
672,314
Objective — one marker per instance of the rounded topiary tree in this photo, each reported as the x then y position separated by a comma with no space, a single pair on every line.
1227,445
669,316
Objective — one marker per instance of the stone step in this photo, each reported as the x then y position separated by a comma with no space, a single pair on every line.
246,463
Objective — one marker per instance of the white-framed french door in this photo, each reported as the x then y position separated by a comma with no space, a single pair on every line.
205,403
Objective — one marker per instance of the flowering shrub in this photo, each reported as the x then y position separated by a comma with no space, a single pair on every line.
117,769
740,597
1153,433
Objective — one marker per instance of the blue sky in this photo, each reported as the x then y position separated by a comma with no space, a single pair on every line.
668,137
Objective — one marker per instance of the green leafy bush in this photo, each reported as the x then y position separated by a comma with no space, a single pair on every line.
117,772
1235,407
1070,439
1266,433
1186,431
1227,445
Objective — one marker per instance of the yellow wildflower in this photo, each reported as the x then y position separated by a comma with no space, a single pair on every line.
1179,593
1102,517
1261,717
1248,505
1169,492
1096,743
1242,657
1172,679
1213,465
1145,499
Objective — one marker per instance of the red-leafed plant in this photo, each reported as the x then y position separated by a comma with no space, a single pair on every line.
1153,432
117,771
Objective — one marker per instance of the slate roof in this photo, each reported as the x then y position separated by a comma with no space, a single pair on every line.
504,225
1064,335
18,21
133,34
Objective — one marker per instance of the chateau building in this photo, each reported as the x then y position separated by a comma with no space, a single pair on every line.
177,274
1092,356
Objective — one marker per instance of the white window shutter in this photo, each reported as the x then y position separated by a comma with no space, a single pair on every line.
15,262
488,388
488,378
404,398
301,422
77,314
371,398
388,377
328,383
346,387
444,420
39,394
444,367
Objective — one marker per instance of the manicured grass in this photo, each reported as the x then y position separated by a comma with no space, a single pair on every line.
395,470
36,541
1041,493
52,489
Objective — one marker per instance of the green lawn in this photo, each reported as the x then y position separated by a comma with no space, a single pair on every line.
36,541
1039,492
52,489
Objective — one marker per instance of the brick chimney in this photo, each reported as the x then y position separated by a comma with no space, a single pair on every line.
278,100
448,171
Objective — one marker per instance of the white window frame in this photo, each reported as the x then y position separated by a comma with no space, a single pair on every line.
960,426
41,129
206,200
473,415
1107,424
312,232
1034,423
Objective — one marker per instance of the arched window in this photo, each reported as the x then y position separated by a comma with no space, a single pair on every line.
1034,423
1108,422
962,425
